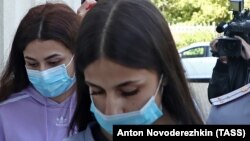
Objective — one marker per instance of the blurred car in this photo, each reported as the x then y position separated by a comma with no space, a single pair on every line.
197,61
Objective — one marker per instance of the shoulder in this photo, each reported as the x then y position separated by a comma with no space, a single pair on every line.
237,96
231,112
85,135
16,97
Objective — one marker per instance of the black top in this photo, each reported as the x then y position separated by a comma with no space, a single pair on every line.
228,77
97,134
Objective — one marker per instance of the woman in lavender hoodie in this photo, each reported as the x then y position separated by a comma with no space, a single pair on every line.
37,86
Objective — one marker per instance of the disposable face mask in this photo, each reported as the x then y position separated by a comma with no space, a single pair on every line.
147,115
51,82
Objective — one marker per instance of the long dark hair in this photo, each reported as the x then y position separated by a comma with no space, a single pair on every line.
44,22
132,33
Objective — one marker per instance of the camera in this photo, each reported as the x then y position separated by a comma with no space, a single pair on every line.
240,25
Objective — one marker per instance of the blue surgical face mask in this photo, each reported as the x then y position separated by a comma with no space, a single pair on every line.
52,82
147,115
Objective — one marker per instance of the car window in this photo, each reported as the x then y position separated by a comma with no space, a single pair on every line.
209,52
194,52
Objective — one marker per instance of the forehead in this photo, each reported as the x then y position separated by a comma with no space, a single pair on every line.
104,72
45,48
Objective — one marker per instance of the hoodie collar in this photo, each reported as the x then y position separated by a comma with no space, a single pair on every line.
47,101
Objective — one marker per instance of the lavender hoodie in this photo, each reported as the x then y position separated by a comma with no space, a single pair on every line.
85,135
28,116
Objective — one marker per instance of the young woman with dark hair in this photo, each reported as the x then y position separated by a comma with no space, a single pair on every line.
128,71
37,86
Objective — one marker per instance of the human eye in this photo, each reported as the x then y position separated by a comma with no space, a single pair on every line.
54,62
95,91
130,92
32,64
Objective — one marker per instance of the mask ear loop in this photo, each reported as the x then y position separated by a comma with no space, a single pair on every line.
70,61
158,87
91,97
69,64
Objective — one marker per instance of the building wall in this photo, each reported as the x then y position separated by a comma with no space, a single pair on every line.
1,35
11,13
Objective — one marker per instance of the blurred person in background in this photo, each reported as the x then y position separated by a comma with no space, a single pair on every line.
228,89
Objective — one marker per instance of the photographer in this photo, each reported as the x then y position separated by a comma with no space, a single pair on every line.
228,90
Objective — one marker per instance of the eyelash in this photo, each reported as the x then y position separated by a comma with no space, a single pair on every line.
134,92
95,93
32,64
54,63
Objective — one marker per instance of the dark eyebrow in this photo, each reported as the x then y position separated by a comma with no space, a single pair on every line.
126,83
119,85
93,85
47,58
29,58
51,56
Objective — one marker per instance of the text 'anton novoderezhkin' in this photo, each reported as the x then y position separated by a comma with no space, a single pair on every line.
180,131
174,132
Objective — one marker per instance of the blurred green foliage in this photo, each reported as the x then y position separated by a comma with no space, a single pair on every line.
185,39
194,12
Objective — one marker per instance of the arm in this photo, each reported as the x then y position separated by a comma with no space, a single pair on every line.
219,83
228,73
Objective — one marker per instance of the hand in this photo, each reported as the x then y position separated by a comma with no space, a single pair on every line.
213,47
246,52
85,7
